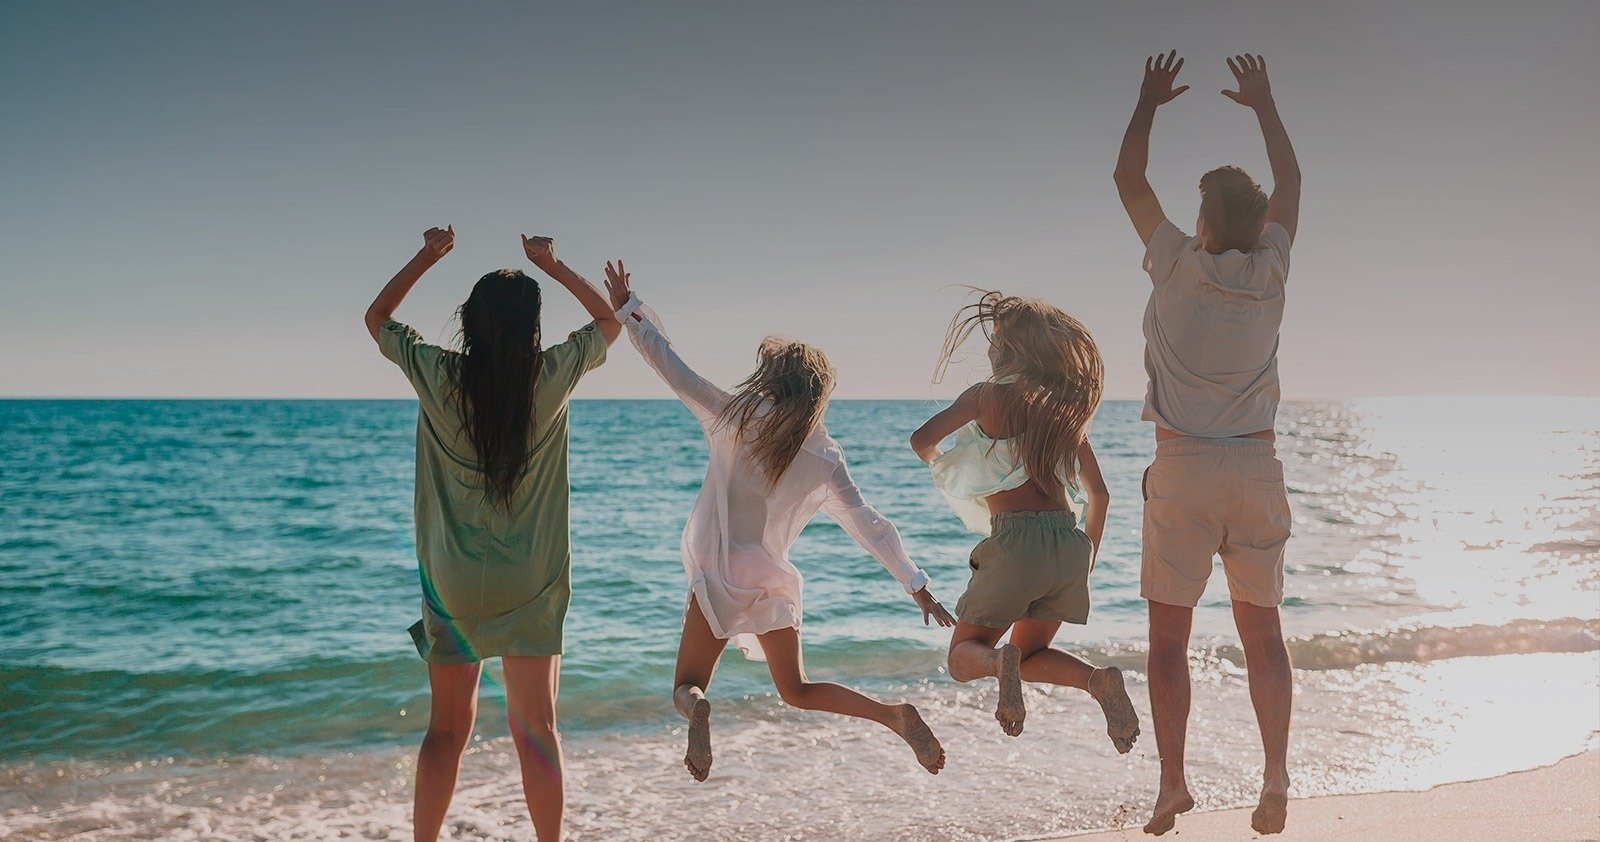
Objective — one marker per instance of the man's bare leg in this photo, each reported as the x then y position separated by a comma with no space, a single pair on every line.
1272,694
1169,708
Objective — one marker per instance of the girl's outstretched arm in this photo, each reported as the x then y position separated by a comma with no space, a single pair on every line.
878,536
436,243
925,441
700,395
1097,497
542,251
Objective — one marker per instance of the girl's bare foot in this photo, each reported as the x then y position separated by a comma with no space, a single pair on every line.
1010,711
1168,806
698,758
1273,810
919,736
1122,722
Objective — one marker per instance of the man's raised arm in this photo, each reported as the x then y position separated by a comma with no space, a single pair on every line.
1255,92
1137,196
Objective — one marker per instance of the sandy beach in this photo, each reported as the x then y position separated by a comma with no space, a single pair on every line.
1559,802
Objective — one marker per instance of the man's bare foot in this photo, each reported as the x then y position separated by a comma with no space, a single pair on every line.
1010,711
1168,806
919,736
1273,810
698,758
1122,722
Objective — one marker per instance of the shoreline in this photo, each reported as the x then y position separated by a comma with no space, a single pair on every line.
1560,801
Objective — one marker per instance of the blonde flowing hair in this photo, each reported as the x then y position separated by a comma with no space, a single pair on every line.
1054,373
778,406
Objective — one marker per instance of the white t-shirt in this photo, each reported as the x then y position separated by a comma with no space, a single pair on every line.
1211,333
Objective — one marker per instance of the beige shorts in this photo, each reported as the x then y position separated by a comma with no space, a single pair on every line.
1207,497
1033,565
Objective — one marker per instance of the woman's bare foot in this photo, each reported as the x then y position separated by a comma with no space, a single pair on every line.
1168,806
1122,722
1272,812
1010,711
909,725
698,758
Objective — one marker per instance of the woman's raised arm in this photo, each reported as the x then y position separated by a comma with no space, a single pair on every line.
701,396
436,243
542,251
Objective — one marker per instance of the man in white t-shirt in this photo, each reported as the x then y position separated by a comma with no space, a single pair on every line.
1216,486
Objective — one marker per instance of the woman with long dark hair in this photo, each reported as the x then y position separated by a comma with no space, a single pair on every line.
773,465
491,512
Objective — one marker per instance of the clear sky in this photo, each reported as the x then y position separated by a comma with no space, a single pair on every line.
201,199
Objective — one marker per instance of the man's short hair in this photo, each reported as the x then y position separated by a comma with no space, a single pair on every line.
1236,208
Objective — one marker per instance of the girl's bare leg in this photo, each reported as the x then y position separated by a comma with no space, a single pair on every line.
973,655
451,714
1043,664
532,683
782,648
698,652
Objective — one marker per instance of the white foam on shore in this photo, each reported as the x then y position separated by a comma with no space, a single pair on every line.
782,774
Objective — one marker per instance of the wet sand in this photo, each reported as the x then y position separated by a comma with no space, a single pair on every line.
1559,802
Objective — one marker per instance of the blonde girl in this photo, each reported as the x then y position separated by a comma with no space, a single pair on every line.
1017,468
772,466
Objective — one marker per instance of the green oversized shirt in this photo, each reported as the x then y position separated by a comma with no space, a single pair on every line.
496,579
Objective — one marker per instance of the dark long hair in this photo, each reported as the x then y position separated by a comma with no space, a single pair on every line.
494,375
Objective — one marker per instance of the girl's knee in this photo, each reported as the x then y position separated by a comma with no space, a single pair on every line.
448,735
797,695
958,670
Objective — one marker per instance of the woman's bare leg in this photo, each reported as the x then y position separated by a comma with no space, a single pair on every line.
698,652
1042,663
782,648
532,683
973,655
452,712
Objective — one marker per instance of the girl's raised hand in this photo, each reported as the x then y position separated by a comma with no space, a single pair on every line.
437,242
618,284
931,608
540,250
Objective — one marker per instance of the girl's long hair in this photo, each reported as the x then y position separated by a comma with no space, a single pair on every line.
1053,375
778,406
492,379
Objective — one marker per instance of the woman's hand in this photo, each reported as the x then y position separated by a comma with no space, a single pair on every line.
931,608
540,250
619,284
437,243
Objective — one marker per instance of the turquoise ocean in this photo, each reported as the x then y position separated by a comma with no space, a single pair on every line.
206,604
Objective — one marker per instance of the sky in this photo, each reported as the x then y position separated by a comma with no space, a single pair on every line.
201,199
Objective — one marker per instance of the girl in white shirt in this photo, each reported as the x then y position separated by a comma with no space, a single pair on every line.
772,466
1017,472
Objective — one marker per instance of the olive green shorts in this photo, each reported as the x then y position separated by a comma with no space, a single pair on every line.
1033,565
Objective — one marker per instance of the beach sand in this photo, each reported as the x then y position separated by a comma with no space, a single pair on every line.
1560,802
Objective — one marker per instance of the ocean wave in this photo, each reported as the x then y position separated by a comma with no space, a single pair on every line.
1415,644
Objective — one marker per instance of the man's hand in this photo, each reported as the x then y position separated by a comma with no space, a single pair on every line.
437,243
540,250
1254,89
618,284
931,607
1159,74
